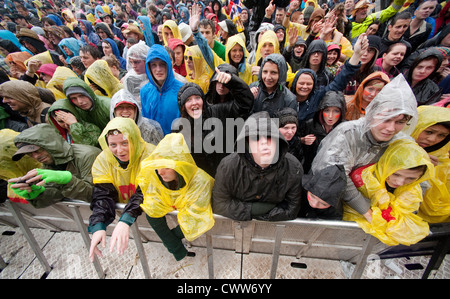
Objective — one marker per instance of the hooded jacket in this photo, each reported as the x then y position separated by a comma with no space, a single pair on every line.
73,44
172,25
151,131
99,112
116,52
393,213
282,96
426,91
29,95
133,82
90,32
244,69
354,109
76,158
114,183
99,74
435,207
352,145
193,200
324,77
244,191
173,43
55,85
202,71
81,132
160,102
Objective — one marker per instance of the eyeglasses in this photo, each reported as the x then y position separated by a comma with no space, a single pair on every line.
188,57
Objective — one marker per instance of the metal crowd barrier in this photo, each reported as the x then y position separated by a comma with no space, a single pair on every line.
321,239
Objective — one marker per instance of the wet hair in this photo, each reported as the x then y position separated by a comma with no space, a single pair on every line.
423,168
207,22
94,51
404,15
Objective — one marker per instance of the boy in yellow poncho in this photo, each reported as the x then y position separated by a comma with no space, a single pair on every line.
100,78
114,175
393,187
432,133
170,180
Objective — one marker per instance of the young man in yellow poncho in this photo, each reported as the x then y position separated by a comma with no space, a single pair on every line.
432,133
114,175
170,180
393,187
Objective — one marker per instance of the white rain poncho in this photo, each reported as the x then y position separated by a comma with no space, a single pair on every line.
132,80
352,145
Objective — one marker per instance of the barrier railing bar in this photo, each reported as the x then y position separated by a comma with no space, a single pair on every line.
29,235
316,234
3,264
276,250
362,259
87,241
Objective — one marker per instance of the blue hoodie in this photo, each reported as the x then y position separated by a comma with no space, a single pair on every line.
73,44
90,32
148,34
160,103
116,52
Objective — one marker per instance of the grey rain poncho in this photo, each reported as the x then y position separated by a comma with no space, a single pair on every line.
132,80
352,145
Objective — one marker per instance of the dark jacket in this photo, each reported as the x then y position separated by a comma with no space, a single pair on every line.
244,191
282,97
259,10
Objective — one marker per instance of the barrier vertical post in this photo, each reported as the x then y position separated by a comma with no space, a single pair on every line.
209,253
276,250
29,236
87,241
362,259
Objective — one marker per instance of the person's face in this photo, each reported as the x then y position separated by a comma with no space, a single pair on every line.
317,203
315,58
236,53
86,58
244,16
119,147
189,61
395,56
47,26
386,130
331,115
179,55
167,174
45,77
332,56
396,31
279,16
367,56
167,33
160,34
270,75
81,101
372,29
194,106
361,14
221,89
107,20
403,177
424,69
42,156
14,104
305,85
138,65
299,50
82,27
263,150
432,135
349,4
141,25
22,12
371,90
267,49
314,21
425,10
288,131
158,68
125,110
107,49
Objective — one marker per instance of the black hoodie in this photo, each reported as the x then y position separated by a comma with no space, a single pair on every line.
324,77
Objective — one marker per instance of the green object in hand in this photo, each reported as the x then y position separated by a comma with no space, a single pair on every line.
55,176
35,191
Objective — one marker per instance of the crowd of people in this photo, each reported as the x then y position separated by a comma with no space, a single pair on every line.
267,110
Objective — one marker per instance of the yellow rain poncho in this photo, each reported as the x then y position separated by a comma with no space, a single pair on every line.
202,73
175,31
193,201
436,203
10,169
100,74
393,218
55,85
106,168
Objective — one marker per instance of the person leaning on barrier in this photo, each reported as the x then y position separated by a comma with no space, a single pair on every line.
66,171
260,180
356,143
114,175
